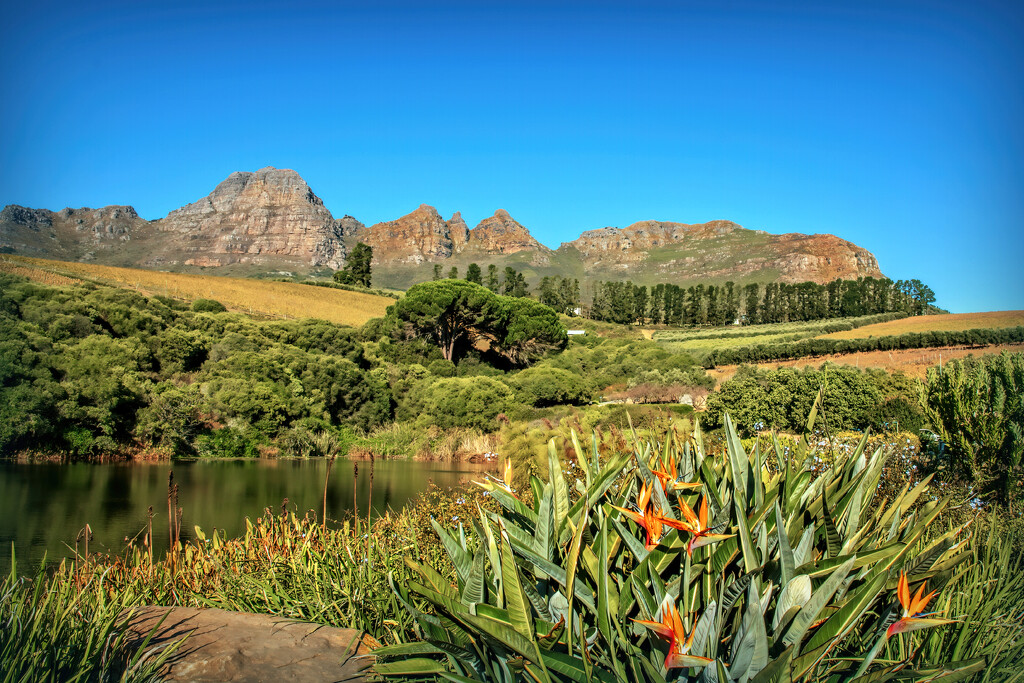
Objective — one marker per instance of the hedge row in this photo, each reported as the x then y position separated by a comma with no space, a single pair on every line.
803,328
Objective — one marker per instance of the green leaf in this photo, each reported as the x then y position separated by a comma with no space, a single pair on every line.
796,593
409,667
702,631
842,621
777,670
809,612
460,558
750,653
542,538
835,542
557,479
515,600
750,559
473,591
787,563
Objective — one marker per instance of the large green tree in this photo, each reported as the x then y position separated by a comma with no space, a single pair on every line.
457,315
357,266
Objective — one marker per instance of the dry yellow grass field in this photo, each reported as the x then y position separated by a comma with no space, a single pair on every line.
911,362
935,323
256,297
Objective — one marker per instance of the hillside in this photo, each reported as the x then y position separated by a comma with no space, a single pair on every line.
271,221
257,297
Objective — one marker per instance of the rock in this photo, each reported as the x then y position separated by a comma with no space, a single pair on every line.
256,218
721,250
251,648
414,238
458,230
502,234
347,225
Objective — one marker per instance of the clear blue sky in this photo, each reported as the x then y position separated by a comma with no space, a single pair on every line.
896,125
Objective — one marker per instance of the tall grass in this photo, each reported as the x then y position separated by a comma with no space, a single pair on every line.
987,599
71,630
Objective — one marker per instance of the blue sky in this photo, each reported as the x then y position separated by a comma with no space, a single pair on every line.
895,125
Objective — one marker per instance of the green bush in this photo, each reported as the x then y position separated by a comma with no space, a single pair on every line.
760,399
208,306
977,407
473,402
897,414
545,386
227,443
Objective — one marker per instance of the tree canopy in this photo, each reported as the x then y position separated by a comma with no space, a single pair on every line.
357,267
456,315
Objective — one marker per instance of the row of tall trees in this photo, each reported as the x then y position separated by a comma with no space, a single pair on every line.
553,291
775,302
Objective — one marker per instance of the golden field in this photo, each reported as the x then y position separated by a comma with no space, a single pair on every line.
951,322
255,297
911,362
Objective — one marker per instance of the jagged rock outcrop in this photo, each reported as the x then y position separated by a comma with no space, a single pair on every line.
68,233
502,234
347,225
258,218
459,231
414,238
720,250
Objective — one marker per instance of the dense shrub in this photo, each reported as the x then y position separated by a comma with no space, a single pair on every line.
461,402
977,407
208,306
765,399
546,386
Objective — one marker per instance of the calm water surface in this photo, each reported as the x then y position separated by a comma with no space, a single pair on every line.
43,507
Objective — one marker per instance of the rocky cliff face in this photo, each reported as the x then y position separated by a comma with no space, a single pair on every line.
414,238
502,234
254,218
69,233
271,219
720,250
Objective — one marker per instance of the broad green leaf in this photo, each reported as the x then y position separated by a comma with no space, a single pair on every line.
842,621
832,538
806,616
515,600
409,667
787,563
460,558
796,593
557,480
473,591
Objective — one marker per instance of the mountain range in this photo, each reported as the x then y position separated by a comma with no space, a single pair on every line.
270,222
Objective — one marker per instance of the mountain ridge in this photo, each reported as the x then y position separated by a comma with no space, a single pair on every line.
270,220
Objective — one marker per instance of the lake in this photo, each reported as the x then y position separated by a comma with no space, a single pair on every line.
43,507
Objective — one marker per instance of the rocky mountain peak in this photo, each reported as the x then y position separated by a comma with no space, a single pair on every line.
458,230
502,234
22,215
253,217
416,237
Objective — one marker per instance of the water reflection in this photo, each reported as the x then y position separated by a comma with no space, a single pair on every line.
43,507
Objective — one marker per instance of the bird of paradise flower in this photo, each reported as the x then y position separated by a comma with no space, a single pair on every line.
913,610
670,627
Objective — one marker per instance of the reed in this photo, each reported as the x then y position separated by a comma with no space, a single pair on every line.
55,629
